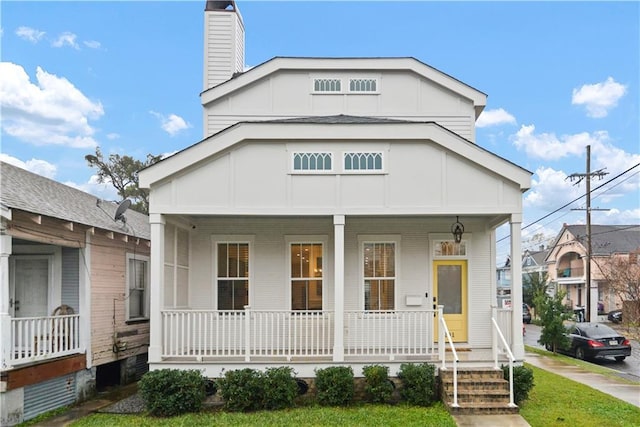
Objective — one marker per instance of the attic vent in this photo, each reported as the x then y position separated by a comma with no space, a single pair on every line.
327,85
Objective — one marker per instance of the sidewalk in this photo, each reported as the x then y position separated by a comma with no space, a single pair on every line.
630,393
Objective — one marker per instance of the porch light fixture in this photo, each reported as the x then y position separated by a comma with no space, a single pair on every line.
457,229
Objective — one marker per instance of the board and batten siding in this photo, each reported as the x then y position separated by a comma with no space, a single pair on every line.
288,93
108,299
420,177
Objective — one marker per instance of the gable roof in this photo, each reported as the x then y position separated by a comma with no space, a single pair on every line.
29,192
605,239
318,64
338,127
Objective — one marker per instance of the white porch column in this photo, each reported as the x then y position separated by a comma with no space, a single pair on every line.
5,318
516,286
157,223
338,284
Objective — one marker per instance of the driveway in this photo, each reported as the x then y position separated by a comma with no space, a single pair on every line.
629,368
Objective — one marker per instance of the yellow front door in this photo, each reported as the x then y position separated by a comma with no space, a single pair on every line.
450,291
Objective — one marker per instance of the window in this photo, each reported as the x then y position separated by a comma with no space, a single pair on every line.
137,287
306,276
327,85
379,261
363,161
312,161
444,248
233,276
363,85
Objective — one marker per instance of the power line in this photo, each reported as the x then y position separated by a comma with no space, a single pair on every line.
573,201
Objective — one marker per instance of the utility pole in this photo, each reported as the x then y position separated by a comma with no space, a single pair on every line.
579,177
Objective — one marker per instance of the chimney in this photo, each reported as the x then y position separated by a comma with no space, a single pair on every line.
223,42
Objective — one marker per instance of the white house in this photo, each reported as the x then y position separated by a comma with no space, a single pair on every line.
312,225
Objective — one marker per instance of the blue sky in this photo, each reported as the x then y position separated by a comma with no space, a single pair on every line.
126,76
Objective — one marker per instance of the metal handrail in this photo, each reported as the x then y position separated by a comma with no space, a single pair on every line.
445,332
498,333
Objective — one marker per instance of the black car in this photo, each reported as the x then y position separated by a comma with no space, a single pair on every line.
591,340
526,314
615,316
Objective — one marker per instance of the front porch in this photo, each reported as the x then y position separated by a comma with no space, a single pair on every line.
37,339
220,340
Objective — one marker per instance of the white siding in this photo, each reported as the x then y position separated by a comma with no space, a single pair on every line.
288,93
224,47
419,177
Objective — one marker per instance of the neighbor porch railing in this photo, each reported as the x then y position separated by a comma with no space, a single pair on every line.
40,338
254,334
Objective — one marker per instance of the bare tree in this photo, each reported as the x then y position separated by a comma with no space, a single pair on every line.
622,275
122,173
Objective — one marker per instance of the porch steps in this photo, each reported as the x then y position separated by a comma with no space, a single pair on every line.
480,391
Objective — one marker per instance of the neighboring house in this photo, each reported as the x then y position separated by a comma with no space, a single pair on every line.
533,263
313,223
73,295
567,260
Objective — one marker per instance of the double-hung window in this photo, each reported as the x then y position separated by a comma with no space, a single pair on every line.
306,275
232,278
137,287
379,266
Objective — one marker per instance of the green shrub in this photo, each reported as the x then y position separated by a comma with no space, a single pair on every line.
170,392
418,383
242,389
280,388
335,385
378,385
522,382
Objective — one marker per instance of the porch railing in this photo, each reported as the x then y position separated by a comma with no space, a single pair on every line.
40,338
253,334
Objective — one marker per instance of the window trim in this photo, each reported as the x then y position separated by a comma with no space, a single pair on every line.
146,291
379,238
333,92
307,239
346,171
236,239
294,171
368,92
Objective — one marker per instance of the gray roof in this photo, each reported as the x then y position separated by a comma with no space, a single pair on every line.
29,192
338,119
608,239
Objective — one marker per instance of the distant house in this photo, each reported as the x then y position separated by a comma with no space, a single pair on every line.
567,261
338,211
533,263
74,295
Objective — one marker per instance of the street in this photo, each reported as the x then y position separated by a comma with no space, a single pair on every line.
629,368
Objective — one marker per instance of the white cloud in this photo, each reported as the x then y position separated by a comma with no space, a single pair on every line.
113,136
38,166
599,98
494,117
51,112
550,189
171,124
92,44
30,34
548,146
66,39
104,191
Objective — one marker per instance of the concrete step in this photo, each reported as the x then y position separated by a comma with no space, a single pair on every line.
482,409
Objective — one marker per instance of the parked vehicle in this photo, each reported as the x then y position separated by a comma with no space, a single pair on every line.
592,340
615,316
526,314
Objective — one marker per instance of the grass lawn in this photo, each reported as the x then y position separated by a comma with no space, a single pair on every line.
358,415
558,401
